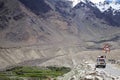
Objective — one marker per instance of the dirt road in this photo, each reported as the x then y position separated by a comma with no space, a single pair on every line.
88,71
111,70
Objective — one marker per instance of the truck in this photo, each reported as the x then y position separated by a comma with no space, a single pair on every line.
101,62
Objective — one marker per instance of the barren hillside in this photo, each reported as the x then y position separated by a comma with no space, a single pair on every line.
38,32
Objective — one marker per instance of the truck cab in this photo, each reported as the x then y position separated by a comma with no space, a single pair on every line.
101,62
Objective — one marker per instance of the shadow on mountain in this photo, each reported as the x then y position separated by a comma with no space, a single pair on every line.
37,6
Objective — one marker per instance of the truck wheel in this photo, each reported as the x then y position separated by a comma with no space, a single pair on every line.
104,66
97,66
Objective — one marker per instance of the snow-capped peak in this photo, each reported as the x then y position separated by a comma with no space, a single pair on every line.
102,5
75,2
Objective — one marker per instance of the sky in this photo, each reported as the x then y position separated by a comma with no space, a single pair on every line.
97,1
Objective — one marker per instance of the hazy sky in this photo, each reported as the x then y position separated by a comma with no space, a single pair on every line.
97,1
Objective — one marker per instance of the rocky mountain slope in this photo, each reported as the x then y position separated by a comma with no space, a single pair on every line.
22,28
109,9
34,31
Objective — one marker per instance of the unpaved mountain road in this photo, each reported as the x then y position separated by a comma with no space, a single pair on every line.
87,71
83,65
110,69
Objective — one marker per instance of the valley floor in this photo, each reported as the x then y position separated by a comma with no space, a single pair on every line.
83,65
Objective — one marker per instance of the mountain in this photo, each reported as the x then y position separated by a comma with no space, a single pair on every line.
106,5
31,25
33,32
107,10
29,33
101,4
111,11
